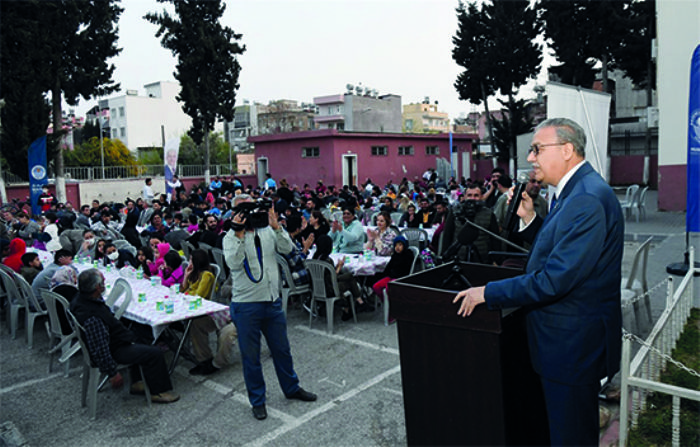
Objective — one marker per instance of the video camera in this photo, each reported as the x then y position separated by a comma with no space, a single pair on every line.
466,210
254,213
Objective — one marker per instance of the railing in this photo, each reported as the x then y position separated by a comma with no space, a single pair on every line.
124,172
641,376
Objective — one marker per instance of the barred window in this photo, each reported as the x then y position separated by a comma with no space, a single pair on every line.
381,151
310,152
405,150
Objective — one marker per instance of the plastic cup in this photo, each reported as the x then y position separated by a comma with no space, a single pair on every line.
159,305
142,297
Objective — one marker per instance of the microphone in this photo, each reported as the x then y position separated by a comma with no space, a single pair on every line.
511,217
467,235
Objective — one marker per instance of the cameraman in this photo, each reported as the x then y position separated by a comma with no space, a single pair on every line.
249,250
473,209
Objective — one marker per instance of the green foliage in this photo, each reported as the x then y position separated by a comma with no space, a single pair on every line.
655,424
59,47
152,156
515,122
207,67
89,154
193,154
584,33
634,54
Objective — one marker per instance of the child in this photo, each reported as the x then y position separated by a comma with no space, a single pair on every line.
171,271
399,265
31,266
143,255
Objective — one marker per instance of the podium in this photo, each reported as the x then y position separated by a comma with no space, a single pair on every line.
466,381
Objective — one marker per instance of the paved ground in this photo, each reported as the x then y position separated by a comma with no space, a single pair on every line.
355,373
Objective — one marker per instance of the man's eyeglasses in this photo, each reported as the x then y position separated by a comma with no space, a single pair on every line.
536,148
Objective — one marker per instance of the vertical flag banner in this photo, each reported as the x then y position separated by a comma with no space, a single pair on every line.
692,217
171,151
38,176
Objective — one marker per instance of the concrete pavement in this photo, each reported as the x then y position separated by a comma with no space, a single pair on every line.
355,373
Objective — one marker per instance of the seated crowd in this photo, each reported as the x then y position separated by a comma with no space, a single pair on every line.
150,235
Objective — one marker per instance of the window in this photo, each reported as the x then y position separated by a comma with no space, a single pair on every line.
122,132
432,150
340,126
409,125
115,133
380,151
405,150
121,112
310,152
113,113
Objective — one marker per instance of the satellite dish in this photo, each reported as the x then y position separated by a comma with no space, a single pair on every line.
349,87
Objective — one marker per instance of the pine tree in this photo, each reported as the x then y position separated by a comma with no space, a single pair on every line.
62,47
207,66
495,45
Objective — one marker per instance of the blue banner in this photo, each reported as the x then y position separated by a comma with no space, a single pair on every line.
692,218
37,172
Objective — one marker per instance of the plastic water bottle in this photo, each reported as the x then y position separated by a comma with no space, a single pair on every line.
169,305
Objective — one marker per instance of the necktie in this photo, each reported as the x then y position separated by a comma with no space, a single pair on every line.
553,203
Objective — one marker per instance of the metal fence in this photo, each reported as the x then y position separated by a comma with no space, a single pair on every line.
125,172
641,375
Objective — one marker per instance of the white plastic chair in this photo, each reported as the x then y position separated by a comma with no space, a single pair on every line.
640,210
64,342
318,270
630,197
218,255
92,377
416,237
119,288
287,285
14,299
27,295
632,287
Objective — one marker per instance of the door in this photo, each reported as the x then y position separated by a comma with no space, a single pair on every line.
262,170
349,169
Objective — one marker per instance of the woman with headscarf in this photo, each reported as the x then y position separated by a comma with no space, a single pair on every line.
129,230
14,259
399,265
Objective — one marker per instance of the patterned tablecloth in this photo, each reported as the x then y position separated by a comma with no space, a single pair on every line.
358,265
146,312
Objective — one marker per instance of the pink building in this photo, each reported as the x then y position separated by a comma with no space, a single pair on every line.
340,158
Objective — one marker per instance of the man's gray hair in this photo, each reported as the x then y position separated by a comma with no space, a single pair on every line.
568,131
88,280
241,197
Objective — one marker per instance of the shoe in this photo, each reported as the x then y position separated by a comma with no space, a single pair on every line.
303,395
137,388
204,369
260,412
347,315
167,397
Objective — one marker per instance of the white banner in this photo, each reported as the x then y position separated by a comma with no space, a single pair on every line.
170,154
590,109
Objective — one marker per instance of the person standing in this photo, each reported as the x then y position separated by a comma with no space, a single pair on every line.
256,306
571,286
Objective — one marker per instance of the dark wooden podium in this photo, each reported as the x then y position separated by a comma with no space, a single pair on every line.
466,381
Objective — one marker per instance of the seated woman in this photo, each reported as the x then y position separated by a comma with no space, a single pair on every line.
171,271
200,281
399,265
118,258
318,226
324,245
100,251
380,240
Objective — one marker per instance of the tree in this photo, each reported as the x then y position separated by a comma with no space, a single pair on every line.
496,47
515,121
584,33
89,154
25,115
207,66
193,154
68,43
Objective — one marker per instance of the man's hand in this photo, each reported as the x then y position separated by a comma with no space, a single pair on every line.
472,298
116,381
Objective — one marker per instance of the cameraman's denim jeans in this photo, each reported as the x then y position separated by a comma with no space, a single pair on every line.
267,317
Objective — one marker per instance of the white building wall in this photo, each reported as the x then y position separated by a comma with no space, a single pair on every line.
144,116
678,33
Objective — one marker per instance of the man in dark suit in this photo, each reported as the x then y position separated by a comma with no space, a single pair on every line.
571,287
